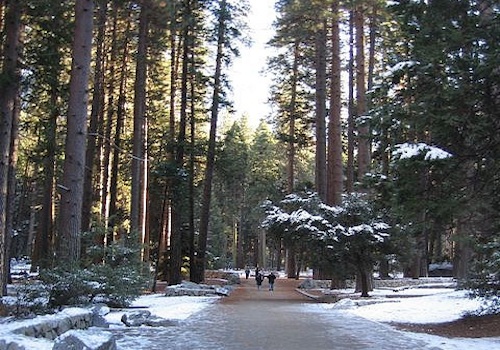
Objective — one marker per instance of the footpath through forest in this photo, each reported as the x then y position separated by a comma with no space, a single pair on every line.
252,319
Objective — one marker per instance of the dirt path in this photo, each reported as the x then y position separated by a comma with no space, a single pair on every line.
284,290
251,319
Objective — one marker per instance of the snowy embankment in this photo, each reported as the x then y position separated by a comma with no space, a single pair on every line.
40,332
434,305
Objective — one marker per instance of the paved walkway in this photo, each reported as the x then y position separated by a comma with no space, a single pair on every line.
252,319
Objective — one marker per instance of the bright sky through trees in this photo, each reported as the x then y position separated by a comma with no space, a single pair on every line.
250,85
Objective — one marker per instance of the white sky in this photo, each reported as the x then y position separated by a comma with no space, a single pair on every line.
250,86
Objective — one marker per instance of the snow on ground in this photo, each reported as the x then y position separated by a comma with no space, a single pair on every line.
413,305
171,308
420,305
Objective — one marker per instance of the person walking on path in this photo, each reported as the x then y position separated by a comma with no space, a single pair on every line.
259,278
271,277
247,273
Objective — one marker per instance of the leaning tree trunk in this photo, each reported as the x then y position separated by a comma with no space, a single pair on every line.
71,187
209,170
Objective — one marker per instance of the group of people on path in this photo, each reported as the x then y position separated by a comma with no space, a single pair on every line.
259,278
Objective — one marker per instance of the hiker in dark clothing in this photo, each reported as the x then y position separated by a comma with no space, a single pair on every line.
271,277
259,278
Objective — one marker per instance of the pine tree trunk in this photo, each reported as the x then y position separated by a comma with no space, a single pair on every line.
8,96
106,167
350,116
335,164
192,199
290,250
43,249
321,182
71,187
209,170
363,128
117,136
179,202
137,207
95,121
11,185
167,216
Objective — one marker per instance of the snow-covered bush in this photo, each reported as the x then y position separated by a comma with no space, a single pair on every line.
484,282
346,237
116,286
113,275
31,298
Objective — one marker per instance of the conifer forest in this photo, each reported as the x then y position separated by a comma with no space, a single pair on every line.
120,149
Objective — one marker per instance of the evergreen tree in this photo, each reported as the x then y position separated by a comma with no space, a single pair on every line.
226,16
9,114
439,90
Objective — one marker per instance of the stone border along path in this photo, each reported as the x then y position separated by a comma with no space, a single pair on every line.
251,319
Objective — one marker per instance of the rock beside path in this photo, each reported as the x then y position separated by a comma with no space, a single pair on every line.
85,340
145,318
193,289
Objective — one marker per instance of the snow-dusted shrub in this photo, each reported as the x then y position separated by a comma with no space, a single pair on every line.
347,237
31,298
484,282
116,286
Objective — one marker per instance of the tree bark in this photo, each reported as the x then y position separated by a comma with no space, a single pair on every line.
321,182
107,164
335,165
363,128
179,199
350,110
117,136
8,94
9,113
290,250
209,171
139,163
95,121
71,186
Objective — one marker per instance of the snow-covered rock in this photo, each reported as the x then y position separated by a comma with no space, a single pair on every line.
144,318
93,339
187,288
98,313
50,326
40,332
228,276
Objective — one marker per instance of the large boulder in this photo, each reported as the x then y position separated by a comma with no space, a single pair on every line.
92,339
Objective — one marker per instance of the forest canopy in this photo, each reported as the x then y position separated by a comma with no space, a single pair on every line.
117,128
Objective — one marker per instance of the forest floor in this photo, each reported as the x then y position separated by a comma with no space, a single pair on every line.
467,327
